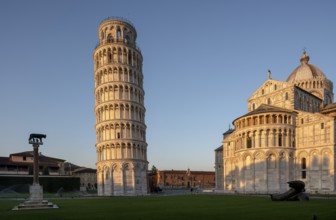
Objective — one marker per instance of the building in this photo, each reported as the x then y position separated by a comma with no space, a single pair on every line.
120,113
22,164
287,134
184,179
88,178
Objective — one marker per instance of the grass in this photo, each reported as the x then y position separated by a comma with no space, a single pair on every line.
45,195
176,207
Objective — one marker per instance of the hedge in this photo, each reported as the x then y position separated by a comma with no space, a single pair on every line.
51,184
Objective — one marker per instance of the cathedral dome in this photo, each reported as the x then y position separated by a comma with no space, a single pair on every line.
305,71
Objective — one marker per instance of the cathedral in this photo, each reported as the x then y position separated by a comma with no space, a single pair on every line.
287,134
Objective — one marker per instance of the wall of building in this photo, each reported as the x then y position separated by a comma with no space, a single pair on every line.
185,179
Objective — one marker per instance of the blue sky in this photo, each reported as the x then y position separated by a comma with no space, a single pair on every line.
202,60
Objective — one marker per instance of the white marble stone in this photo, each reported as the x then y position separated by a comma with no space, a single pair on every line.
288,134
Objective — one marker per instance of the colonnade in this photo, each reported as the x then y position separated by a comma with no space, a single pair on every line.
118,74
264,119
275,137
311,84
108,112
121,55
113,92
121,151
113,131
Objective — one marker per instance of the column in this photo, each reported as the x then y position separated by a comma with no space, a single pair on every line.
36,164
256,139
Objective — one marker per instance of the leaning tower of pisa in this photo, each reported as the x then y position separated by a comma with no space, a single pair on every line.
120,113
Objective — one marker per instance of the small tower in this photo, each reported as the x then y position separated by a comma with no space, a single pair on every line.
120,113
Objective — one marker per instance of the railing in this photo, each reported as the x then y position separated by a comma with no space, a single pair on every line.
118,18
117,40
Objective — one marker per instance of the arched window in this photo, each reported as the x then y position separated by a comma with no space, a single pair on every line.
269,101
129,58
303,163
109,38
127,39
118,33
249,142
107,174
303,168
280,139
286,96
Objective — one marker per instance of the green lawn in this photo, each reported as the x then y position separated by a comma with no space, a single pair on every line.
176,207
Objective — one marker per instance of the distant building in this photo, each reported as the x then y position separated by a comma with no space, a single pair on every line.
183,179
88,178
22,163
288,134
219,171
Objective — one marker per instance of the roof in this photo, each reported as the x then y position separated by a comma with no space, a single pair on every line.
85,170
185,172
264,108
219,148
6,161
229,131
329,108
305,71
41,156
70,166
43,160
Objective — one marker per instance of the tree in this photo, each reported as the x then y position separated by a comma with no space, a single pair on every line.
45,171
154,170
30,170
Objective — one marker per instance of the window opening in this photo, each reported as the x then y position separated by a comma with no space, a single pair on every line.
269,101
303,163
249,142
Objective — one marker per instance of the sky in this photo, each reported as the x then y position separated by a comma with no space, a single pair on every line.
202,61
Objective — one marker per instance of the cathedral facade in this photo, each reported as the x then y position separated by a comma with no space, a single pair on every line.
120,113
287,134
